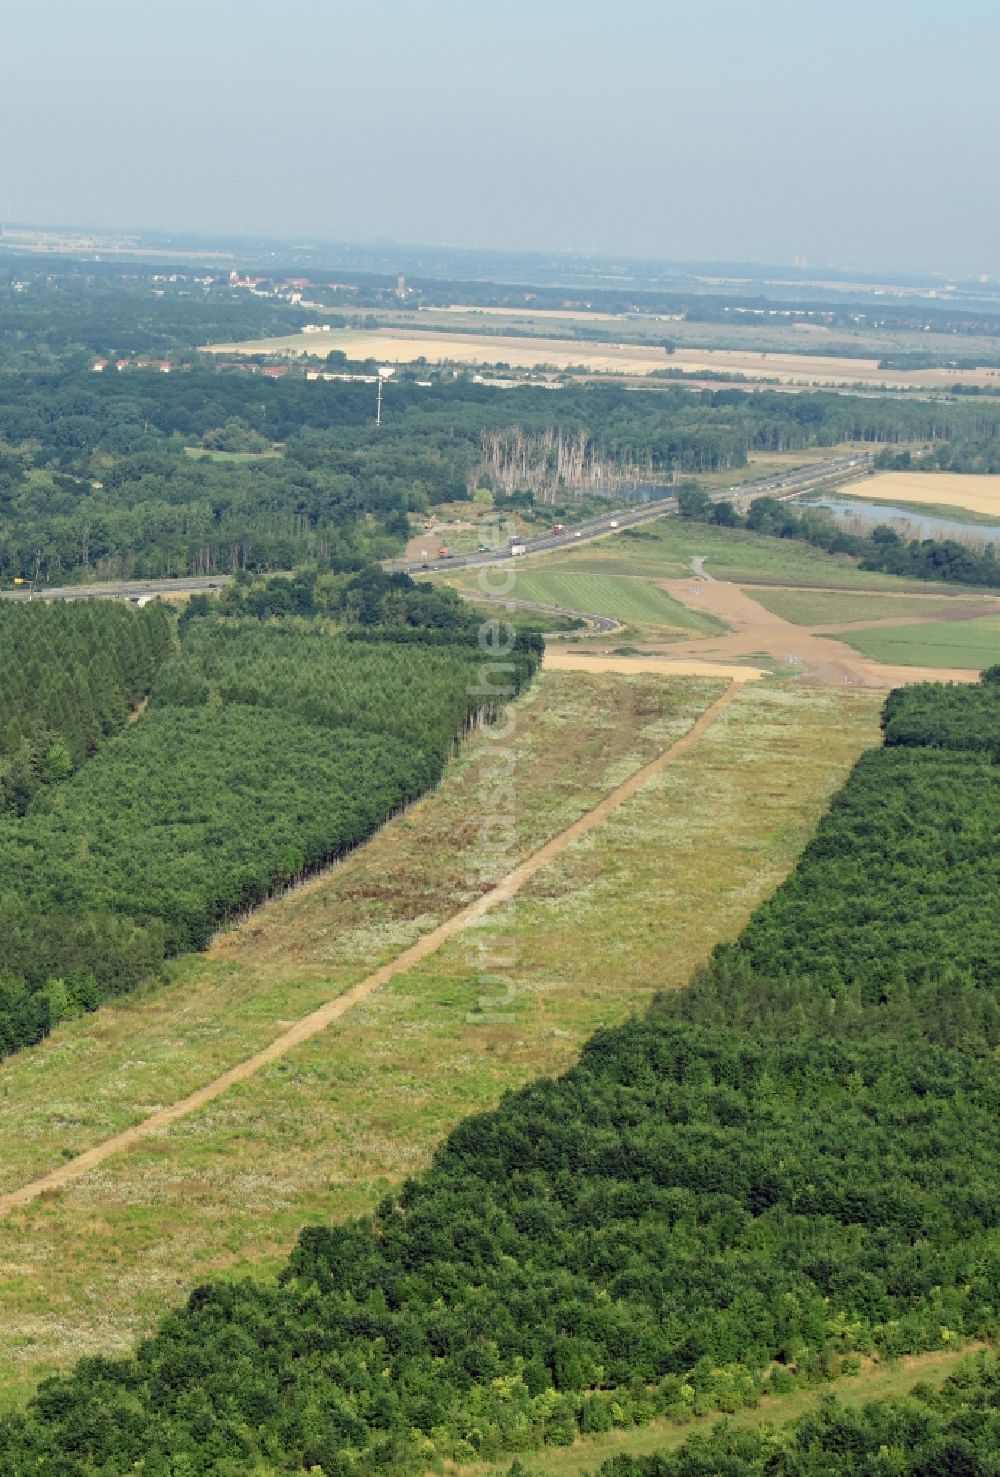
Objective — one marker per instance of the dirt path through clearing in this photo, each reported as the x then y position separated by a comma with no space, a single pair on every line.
318,1020
812,655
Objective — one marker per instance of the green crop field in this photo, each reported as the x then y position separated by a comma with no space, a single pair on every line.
972,644
636,601
826,608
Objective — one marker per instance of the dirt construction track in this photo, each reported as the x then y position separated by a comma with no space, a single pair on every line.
755,634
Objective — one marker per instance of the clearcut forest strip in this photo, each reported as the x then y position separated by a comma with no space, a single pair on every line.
789,1166
311,1025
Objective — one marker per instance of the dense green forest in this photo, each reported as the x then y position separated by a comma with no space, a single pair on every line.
69,676
929,716
791,1164
112,474
952,1432
269,748
963,454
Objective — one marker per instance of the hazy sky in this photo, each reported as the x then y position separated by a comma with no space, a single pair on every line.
860,132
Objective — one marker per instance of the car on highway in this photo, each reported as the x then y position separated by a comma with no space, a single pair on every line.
614,523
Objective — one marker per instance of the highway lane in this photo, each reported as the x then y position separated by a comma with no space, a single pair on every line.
613,521
122,589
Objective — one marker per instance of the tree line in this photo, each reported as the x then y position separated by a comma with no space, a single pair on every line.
69,677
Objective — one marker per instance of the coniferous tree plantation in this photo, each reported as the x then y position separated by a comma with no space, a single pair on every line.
268,750
69,677
786,1167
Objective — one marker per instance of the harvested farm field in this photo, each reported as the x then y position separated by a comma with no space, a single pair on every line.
802,370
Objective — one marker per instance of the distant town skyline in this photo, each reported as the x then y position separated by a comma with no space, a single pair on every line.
861,135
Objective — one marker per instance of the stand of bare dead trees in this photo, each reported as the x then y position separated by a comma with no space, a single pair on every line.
554,464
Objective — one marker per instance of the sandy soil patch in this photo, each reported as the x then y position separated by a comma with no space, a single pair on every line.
562,659
806,653
948,489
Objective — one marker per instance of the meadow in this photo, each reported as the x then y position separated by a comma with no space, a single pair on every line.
665,549
826,608
326,1132
972,644
632,600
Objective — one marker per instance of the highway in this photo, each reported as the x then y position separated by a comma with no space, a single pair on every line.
785,486
607,523
122,589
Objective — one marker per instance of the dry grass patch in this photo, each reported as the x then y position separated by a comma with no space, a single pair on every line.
827,608
573,739
325,1132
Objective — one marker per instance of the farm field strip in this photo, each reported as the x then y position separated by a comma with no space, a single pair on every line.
324,1132
625,598
401,347
823,608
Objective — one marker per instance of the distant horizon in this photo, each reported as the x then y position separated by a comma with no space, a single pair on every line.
858,134
215,238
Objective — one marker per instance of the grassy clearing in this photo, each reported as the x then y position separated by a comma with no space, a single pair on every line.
635,601
971,644
876,1382
97,1075
821,608
663,550
323,1133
